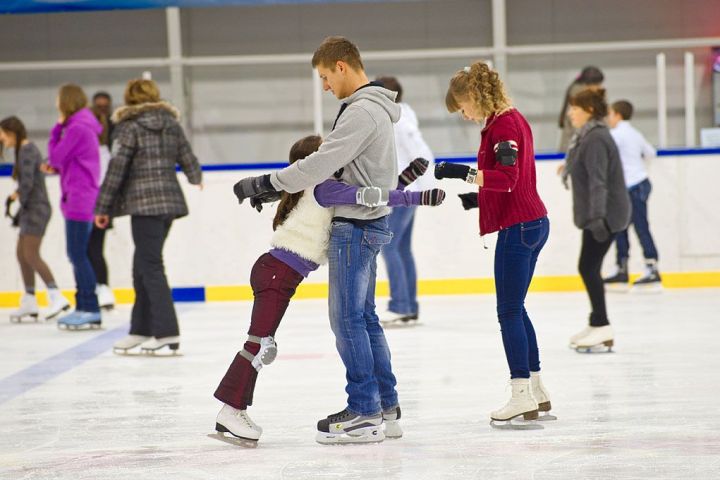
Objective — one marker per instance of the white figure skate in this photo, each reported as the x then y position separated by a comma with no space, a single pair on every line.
124,345
242,431
154,346
521,411
106,298
582,333
598,340
28,309
542,397
390,319
58,304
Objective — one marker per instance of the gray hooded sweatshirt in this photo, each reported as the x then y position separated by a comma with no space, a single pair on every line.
362,144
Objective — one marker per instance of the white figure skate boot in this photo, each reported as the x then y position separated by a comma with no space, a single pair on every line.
58,304
106,298
124,345
28,309
391,421
541,396
521,411
582,333
598,340
154,345
238,424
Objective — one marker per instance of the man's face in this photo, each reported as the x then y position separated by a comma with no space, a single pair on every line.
613,118
103,104
335,79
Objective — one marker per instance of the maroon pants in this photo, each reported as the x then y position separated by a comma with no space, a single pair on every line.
273,283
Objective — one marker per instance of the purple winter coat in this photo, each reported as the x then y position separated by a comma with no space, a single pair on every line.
74,151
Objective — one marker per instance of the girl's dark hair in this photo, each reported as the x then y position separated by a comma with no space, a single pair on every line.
589,76
301,149
592,101
13,125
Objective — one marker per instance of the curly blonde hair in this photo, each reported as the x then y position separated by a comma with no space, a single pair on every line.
480,84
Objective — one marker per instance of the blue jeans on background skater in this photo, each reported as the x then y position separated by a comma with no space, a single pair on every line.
77,237
400,262
516,254
359,338
639,195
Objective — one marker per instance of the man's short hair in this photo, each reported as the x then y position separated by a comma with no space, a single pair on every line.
392,83
623,108
334,49
102,94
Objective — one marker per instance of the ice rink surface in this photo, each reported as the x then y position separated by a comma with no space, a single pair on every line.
71,409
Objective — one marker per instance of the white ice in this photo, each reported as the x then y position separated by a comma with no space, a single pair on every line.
647,411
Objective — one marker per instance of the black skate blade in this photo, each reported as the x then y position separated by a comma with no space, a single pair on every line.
594,349
78,328
400,324
233,440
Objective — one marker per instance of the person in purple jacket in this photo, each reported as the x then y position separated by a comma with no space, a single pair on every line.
74,153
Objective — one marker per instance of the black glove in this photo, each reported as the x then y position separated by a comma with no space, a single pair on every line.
251,186
451,170
469,200
411,173
599,230
268,197
432,197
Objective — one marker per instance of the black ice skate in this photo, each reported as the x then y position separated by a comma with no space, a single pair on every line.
619,281
650,282
347,427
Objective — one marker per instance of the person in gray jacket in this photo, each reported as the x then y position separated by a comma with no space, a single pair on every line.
32,218
601,206
141,182
361,151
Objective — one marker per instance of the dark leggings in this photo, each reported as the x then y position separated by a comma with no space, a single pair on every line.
592,254
28,255
95,252
273,283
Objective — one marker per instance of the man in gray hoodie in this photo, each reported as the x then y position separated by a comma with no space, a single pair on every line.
360,151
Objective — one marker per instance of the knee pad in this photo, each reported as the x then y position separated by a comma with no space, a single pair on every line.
265,356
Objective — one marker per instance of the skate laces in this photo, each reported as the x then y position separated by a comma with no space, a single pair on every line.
337,416
243,416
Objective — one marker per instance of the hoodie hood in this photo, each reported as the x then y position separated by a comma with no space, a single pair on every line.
382,96
153,116
87,118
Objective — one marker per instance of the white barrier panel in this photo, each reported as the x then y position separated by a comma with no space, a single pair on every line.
219,241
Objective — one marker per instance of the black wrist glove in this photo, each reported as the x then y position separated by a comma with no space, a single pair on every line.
432,197
451,170
411,173
469,200
599,230
268,197
251,186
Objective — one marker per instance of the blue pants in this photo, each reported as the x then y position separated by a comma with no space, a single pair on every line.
77,237
516,254
639,195
400,262
359,338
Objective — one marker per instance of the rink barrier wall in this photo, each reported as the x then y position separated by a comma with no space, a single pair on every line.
448,286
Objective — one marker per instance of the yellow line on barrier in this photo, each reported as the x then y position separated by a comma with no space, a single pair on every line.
445,286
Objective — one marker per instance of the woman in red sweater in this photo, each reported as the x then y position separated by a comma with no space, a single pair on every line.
509,204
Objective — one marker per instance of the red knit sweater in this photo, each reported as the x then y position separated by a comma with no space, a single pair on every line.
509,193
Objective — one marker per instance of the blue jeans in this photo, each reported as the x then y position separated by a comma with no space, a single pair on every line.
359,338
516,254
639,195
78,236
400,262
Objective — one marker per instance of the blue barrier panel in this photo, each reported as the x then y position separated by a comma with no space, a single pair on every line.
188,294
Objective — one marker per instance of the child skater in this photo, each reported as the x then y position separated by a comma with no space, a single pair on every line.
299,246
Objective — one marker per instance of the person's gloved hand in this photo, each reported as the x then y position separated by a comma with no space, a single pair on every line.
413,171
252,186
268,197
469,200
599,230
432,197
455,170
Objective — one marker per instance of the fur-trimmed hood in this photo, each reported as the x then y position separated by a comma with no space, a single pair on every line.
150,115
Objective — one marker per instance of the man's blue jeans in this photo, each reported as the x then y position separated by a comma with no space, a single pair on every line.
400,262
639,195
77,237
359,338
516,254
